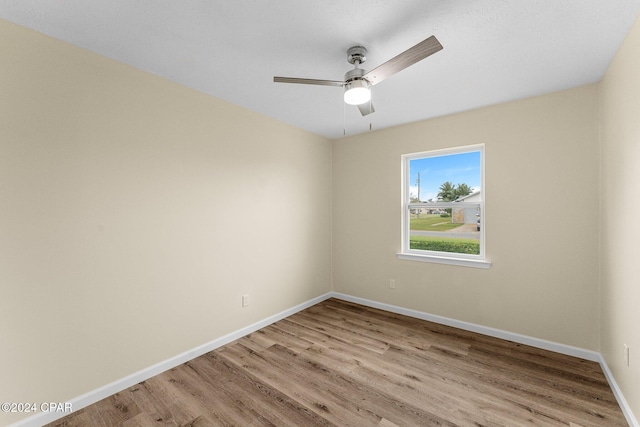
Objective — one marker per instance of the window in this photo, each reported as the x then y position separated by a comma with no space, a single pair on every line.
443,207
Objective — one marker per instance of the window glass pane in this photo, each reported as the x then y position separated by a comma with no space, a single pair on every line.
445,178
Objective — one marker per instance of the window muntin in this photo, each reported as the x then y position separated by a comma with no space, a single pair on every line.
443,203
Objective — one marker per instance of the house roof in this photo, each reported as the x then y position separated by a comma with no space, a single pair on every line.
468,196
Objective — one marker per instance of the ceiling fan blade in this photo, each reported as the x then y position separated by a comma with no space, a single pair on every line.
308,81
405,59
366,108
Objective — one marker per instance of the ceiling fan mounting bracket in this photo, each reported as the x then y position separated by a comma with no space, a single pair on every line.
357,54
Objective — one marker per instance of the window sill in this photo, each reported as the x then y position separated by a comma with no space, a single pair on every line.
464,262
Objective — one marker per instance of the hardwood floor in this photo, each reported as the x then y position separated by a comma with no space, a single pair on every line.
342,364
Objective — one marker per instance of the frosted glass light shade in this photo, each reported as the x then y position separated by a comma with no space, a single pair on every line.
357,92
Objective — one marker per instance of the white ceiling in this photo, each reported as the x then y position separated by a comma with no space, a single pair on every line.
494,50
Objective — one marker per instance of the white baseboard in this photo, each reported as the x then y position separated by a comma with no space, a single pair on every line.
510,336
94,396
626,409
122,384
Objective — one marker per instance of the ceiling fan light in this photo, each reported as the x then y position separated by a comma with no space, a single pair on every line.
357,92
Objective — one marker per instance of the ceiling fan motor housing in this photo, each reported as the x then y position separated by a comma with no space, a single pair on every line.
355,74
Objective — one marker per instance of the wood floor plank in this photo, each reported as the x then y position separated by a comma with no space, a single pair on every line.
583,390
501,392
368,396
432,392
286,338
343,332
342,364
278,367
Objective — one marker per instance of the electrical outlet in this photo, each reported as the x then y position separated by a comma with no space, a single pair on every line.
626,355
392,283
245,300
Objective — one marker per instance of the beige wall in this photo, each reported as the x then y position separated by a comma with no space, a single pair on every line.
134,213
541,218
620,225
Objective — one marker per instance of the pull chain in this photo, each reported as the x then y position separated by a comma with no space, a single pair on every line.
344,119
370,107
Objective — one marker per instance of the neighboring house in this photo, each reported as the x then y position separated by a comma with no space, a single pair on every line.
467,215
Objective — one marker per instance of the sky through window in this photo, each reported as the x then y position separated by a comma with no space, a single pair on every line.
434,171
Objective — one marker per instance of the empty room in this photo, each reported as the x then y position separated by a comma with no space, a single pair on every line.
297,213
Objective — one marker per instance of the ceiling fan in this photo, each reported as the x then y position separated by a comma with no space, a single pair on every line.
357,83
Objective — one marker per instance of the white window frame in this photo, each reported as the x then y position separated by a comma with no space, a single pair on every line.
406,253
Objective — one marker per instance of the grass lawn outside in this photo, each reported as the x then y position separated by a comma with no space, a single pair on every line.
444,244
432,222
